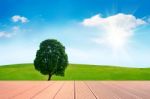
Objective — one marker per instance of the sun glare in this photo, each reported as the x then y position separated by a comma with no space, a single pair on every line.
117,38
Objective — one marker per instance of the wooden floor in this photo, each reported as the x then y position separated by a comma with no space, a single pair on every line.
74,89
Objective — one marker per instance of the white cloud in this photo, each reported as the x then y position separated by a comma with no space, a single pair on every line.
4,34
18,18
11,33
116,30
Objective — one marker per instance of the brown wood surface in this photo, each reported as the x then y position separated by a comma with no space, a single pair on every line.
74,89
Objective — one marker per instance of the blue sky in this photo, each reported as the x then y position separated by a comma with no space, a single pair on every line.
109,32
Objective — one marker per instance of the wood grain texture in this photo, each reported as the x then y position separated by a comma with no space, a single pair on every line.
74,89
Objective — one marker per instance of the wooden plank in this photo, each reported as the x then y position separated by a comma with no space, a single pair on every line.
67,91
121,93
82,91
16,88
77,90
101,91
33,91
142,86
128,86
50,92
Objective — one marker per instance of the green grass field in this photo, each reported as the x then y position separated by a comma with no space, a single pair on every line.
75,72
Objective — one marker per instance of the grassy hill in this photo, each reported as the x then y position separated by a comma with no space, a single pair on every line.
75,72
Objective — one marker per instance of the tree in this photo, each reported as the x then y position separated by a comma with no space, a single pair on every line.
51,58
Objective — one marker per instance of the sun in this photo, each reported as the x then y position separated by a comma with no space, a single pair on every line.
116,37
116,31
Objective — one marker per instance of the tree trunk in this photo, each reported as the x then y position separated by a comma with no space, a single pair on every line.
49,77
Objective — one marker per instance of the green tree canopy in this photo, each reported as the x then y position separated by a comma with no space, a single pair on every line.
51,58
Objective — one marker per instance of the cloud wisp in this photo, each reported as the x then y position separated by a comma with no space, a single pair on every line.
116,30
18,18
14,29
3,34
9,33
